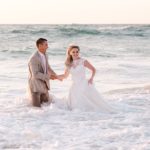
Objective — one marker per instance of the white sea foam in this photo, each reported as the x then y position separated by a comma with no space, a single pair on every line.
122,64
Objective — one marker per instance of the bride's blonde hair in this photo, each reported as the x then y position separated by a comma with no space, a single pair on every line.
69,59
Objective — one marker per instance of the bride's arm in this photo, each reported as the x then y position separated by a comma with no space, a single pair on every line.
65,75
91,67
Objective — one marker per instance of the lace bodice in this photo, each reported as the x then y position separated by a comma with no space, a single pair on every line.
77,70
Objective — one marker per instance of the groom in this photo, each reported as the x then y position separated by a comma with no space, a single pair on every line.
40,73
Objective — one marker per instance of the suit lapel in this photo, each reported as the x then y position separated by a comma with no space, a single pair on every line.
39,57
46,57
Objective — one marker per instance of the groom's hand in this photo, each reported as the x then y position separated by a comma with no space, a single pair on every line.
53,77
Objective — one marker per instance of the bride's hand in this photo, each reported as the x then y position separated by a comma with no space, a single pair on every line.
59,77
90,81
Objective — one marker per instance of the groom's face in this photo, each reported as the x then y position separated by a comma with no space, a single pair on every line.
43,47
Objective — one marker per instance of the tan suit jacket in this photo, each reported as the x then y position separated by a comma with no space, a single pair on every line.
38,80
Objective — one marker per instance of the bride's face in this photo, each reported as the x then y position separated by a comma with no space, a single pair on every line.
74,53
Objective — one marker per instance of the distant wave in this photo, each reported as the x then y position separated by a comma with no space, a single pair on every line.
28,51
137,27
81,30
29,31
39,31
137,90
16,53
76,31
18,31
139,31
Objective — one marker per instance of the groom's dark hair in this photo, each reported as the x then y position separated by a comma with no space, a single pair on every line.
40,41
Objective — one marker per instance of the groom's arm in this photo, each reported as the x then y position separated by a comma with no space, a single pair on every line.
33,67
51,73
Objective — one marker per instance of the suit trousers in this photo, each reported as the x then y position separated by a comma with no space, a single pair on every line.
38,98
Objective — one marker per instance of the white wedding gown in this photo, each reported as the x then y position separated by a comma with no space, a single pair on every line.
82,95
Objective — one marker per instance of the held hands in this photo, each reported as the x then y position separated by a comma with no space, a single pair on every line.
60,77
54,77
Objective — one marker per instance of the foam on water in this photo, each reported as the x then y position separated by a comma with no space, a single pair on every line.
121,56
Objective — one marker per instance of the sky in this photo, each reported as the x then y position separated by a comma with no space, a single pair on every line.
74,11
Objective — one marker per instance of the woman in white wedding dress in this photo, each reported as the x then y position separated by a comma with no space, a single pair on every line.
82,94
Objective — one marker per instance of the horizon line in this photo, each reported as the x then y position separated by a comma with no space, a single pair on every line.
74,23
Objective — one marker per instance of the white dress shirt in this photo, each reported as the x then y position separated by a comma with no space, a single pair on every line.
43,59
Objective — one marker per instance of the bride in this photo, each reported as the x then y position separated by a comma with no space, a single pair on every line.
82,94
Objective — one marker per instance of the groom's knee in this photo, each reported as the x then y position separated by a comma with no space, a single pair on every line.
35,100
45,98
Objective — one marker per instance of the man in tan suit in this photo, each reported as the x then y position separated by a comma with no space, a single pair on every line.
40,73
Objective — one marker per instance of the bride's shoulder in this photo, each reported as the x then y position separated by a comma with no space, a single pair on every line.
83,60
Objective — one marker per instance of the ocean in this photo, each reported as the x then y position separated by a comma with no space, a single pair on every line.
121,56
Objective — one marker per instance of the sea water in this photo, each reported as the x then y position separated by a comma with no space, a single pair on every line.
121,56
